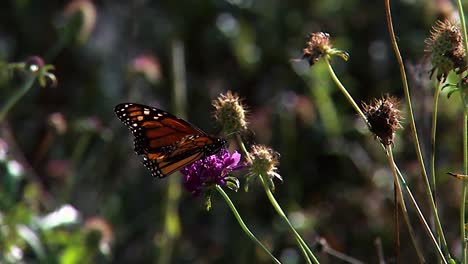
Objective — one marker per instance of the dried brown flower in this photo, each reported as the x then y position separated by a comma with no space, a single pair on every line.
318,45
383,117
230,113
445,49
264,162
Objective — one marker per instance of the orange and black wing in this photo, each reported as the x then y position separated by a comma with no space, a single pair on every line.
155,130
184,152
168,143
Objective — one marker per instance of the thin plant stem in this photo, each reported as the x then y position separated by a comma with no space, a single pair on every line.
243,225
345,258
378,247
400,200
281,213
463,191
433,149
77,154
395,216
172,219
413,129
406,217
26,86
420,215
359,111
461,15
433,139
343,90
308,255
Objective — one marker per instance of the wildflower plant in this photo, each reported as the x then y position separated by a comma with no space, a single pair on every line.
383,117
230,113
261,160
229,170
213,173
35,69
446,48
213,170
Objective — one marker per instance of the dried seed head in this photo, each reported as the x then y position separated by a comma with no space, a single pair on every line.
264,162
318,45
230,113
445,49
383,117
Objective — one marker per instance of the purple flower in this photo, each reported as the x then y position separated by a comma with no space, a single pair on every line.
210,170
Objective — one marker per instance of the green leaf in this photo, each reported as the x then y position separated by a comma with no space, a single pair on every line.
451,91
208,201
232,183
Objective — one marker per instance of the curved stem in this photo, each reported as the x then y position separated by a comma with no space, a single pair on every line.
344,91
428,230
302,245
281,213
464,185
433,139
413,129
18,95
243,225
420,215
243,149
461,15
401,201
396,189
433,147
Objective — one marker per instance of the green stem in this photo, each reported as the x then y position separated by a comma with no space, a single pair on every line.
78,152
281,213
464,185
18,95
401,201
433,149
171,214
243,149
413,129
433,139
461,15
302,245
243,225
396,198
439,228
420,215
344,91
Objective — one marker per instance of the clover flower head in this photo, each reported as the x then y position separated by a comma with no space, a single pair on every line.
212,170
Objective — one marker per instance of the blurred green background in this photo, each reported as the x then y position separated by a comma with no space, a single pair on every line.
73,191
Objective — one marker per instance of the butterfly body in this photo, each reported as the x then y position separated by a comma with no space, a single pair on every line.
167,142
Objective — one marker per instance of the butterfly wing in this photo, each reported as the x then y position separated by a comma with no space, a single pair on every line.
184,152
167,142
153,128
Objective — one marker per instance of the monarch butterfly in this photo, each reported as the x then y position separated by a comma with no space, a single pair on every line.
168,143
